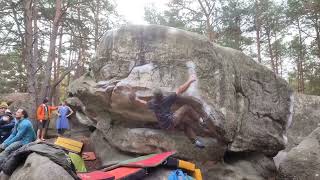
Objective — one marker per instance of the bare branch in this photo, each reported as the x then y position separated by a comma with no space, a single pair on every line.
72,67
203,8
208,6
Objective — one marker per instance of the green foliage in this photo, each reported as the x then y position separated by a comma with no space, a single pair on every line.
235,16
167,18
289,31
294,9
13,77
312,78
312,75
84,22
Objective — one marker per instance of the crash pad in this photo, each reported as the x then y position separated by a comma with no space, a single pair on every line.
69,144
89,156
136,168
177,163
77,162
96,175
197,174
118,173
151,160
128,173
186,165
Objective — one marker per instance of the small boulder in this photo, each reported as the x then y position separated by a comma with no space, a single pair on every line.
40,167
303,161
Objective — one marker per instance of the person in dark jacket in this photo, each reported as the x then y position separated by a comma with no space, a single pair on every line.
3,108
6,124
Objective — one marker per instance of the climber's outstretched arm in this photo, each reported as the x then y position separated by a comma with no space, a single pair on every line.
134,99
186,85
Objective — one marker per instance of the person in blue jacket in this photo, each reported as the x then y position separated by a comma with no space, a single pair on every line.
22,134
6,124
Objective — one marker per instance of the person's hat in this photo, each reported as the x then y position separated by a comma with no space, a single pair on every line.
3,105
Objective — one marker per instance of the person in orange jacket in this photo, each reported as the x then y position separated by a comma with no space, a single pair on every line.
43,116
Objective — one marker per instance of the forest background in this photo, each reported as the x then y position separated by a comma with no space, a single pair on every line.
45,44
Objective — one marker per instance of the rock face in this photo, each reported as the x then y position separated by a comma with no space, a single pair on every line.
40,167
303,161
305,118
247,106
242,98
241,166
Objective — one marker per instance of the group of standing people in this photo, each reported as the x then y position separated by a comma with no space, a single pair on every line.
17,130
44,112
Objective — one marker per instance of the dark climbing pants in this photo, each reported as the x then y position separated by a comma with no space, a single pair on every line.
186,116
8,150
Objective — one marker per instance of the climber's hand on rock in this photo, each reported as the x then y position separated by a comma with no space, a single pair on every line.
192,78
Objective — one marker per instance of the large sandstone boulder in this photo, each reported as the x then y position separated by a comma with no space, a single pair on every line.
302,161
40,167
247,104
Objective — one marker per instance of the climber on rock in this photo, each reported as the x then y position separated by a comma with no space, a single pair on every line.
161,106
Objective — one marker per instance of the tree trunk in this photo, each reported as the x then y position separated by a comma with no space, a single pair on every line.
317,28
69,60
207,10
45,88
301,62
270,49
56,90
15,17
237,32
36,43
210,32
21,47
258,29
281,67
96,23
79,69
276,55
28,57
